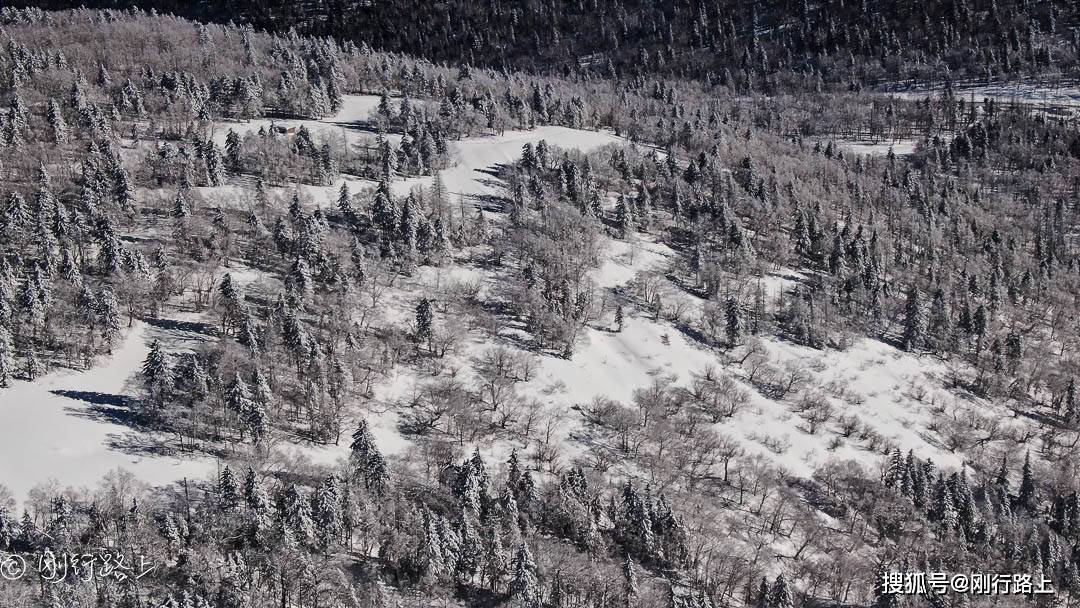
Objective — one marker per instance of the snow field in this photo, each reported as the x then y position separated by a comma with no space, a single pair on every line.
67,426
60,426
900,147
51,435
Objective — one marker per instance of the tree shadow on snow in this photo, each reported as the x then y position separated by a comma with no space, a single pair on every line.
490,203
359,126
106,407
495,171
96,398
120,411
142,444
194,327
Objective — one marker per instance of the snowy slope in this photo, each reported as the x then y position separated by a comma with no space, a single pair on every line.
477,156
62,427
615,364
1065,95
900,147
349,124
67,438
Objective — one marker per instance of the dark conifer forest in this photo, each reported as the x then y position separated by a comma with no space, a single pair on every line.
747,45
586,304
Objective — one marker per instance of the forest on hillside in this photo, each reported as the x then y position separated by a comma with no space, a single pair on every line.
767,47
433,322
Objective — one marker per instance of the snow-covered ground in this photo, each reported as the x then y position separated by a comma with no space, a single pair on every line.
872,381
625,259
1054,95
900,147
70,427
477,157
349,124
66,425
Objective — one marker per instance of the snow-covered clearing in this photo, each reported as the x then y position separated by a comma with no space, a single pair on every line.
478,158
870,380
876,379
71,426
351,123
900,147
1052,96
624,259
774,282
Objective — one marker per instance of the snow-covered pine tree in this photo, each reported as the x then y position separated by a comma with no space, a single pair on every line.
383,211
388,159
56,123
108,315
237,398
123,190
233,152
294,514
624,217
156,374
258,423
17,119
734,325
301,280
378,475
526,490
248,335
326,513
344,203
16,214
191,379
780,596
227,489
467,488
254,495
425,321
630,583
233,313
980,325
367,460
7,357
914,320
215,170
430,554
525,587
385,111
764,595
407,226
180,210
469,549
1025,496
